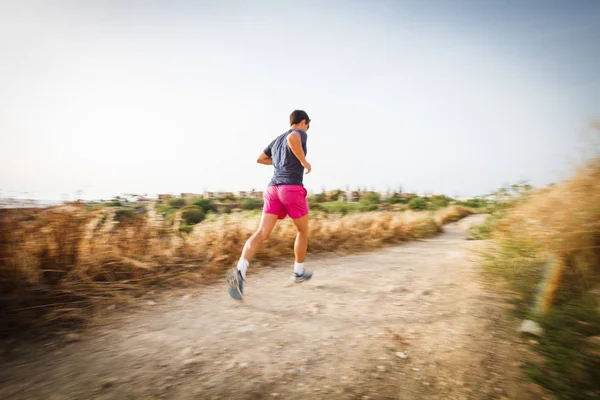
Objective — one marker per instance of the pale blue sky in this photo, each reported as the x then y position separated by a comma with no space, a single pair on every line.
454,97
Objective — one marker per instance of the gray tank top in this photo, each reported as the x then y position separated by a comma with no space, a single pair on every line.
288,170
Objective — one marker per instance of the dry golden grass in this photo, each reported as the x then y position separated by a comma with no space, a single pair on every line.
61,264
563,219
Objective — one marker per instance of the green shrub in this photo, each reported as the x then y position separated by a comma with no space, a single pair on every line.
474,203
206,205
417,203
177,203
335,196
317,207
335,207
339,207
437,202
114,203
397,200
124,214
317,198
251,204
165,210
366,205
193,215
372,198
184,228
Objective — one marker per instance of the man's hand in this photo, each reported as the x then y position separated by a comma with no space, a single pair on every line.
264,159
307,166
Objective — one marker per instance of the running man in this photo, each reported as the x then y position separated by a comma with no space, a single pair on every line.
285,195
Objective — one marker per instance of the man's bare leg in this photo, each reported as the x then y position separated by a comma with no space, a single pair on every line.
301,243
253,244
236,276
300,247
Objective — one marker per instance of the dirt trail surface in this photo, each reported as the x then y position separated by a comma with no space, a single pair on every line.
406,322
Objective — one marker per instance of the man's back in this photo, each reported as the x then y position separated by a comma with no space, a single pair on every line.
288,169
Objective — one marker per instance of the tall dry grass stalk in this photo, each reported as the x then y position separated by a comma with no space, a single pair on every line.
61,264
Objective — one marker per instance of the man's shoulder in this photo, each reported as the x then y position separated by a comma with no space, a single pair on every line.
301,132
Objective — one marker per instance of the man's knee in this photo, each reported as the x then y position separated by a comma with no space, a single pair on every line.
261,234
303,230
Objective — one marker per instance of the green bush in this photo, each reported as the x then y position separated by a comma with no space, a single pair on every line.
165,210
339,207
334,207
372,198
206,205
193,215
317,207
317,198
124,214
177,203
114,203
474,203
251,204
417,203
184,228
366,205
397,200
437,202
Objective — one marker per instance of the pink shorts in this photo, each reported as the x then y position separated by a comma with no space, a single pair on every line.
285,200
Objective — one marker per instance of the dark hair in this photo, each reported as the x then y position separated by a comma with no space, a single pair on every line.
297,116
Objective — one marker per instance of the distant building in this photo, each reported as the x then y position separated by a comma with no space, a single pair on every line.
190,196
351,196
211,195
247,194
216,195
386,195
163,198
243,194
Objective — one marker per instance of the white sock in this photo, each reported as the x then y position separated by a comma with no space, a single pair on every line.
298,268
243,267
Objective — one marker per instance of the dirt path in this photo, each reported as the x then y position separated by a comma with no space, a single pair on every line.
335,337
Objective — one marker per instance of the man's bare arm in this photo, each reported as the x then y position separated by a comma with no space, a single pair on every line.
264,159
295,143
